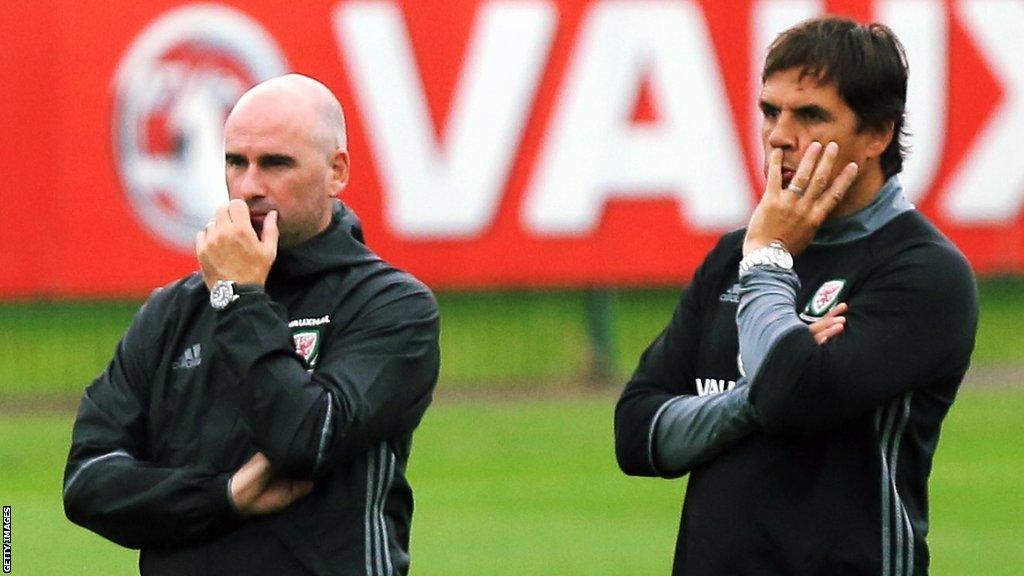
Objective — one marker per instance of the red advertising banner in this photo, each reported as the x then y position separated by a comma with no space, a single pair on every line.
494,143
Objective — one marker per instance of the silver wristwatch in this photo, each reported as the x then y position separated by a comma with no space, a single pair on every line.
224,292
774,254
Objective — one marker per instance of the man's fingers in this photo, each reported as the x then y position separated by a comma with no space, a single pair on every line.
822,172
282,492
221,215
802,179
830,325
840,308
831,198
830,332
200,245
301,487
257,465
824,323
260,462
270,230
774,171
831,317
238,212
256,490
297,489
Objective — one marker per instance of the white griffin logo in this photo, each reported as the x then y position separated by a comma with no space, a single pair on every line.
173,90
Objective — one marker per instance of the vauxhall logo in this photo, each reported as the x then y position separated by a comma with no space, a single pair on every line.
450,182
447,180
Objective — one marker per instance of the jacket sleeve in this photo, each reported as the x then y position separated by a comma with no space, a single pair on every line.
110,488
662,426
910,325
373,380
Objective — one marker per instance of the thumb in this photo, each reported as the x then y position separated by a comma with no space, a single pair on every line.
270,231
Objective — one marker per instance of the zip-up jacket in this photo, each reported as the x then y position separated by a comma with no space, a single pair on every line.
327,373
807,459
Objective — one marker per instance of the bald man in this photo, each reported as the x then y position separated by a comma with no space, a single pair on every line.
258,414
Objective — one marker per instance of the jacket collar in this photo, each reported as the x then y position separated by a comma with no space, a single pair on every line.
887,204
340,245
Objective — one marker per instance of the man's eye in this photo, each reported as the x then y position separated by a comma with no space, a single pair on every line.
276,162
769,112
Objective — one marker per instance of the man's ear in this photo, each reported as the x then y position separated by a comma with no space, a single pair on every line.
879,139
339,172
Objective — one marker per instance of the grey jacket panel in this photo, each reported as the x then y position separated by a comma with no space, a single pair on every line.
693,429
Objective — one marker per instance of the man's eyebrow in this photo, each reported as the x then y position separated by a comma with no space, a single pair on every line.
814,110
807,110
276,160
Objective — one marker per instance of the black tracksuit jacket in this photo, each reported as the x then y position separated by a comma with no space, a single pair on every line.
833,481
328,373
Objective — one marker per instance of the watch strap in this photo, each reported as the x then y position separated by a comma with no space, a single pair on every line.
243,289
774,254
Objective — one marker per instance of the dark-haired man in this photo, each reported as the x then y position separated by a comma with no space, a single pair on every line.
804,376
257,416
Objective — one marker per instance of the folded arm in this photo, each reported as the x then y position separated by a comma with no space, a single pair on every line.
111,489
373,380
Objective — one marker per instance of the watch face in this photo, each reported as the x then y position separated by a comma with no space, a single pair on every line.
221,295
785,259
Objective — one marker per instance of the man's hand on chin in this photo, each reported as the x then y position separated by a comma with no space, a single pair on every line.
792,215
230,249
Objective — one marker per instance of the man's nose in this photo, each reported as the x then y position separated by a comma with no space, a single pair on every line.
249,184
782,134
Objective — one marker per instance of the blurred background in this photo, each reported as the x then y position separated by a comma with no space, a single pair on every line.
554,169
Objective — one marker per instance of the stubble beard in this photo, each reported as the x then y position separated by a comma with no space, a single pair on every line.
295,233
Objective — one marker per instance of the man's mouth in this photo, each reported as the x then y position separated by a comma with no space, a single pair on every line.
257,218
787,176
259,211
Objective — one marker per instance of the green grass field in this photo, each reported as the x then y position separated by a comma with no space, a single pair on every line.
512,485
531,487
509,339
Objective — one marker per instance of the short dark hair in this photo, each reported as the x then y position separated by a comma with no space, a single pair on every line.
866,62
